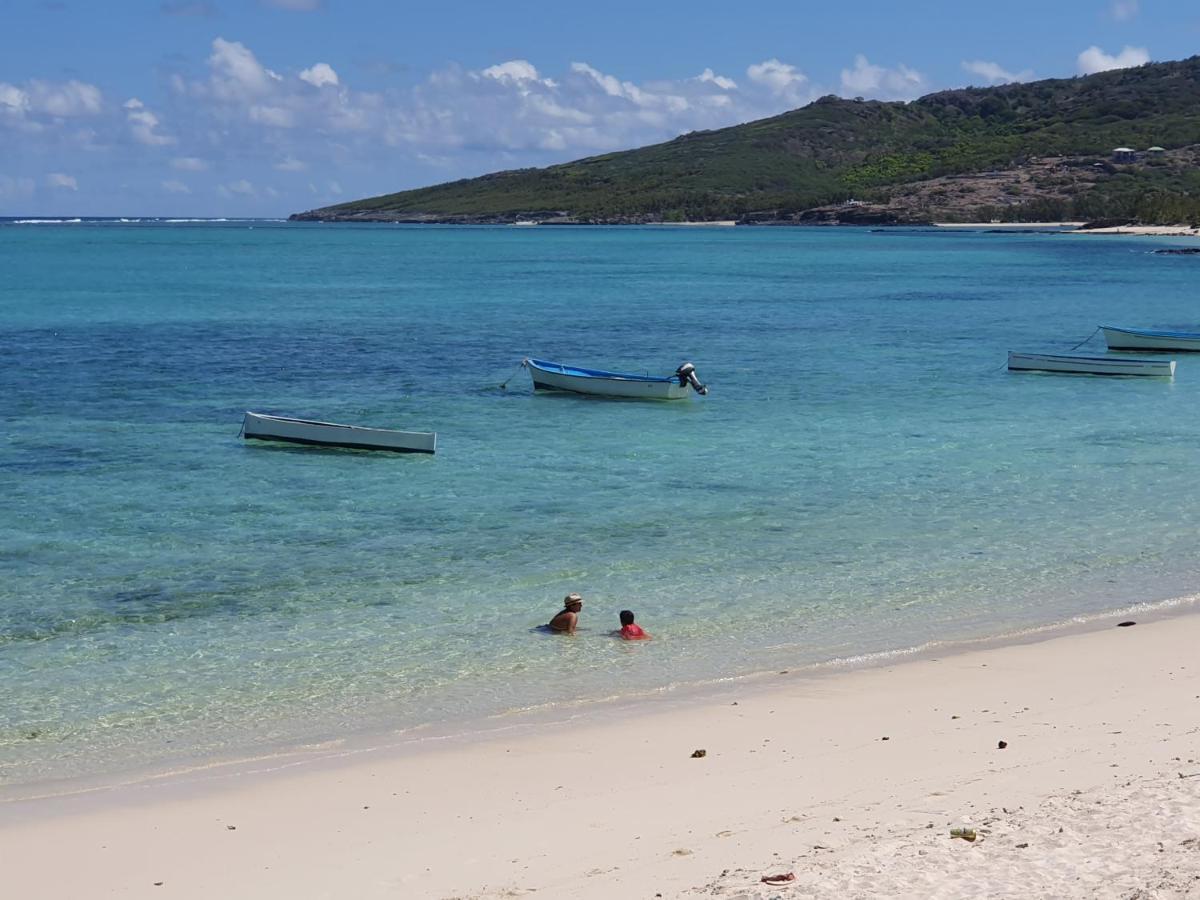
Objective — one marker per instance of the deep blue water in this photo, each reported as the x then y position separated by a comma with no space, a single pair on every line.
864,476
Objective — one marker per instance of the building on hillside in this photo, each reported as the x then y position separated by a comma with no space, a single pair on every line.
1155,152
1124,155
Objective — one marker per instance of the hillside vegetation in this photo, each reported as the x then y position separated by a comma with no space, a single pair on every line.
1018,152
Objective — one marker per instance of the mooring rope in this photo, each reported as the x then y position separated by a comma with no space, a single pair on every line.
1086,339
504,383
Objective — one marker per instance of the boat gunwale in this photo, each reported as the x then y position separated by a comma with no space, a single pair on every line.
296,421
554,368
1147,332
1117,365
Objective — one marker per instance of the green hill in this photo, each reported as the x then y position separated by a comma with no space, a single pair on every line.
1020,152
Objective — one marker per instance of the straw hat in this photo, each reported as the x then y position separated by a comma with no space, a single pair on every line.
572,598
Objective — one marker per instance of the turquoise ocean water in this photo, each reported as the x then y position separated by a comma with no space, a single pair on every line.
864,477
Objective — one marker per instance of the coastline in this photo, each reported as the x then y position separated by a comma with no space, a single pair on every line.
1007,225
1077,228
1146,230
797,777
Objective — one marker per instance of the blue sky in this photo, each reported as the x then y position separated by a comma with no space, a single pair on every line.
268,107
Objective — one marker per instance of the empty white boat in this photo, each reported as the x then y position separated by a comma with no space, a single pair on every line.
1146,339
262,427
1090,365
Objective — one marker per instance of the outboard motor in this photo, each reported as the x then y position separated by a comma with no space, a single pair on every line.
687,375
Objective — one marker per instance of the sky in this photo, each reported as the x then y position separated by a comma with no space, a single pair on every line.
262,108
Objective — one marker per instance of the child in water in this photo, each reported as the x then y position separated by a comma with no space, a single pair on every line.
630,631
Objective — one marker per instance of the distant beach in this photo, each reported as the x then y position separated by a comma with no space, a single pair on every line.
1077,227
1146,230
1006,225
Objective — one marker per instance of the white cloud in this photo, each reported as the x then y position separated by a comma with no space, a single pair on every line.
492,115
59,180
1093,59
1124,10
319,75
142,124
514,71
867,80
708,77
611,85
241,95
49,100
189,164
237,74
13,100
71,98
290,164
335,188
552,109
175,186
993,73
779,77
513,108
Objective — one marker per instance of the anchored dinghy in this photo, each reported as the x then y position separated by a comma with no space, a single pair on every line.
552,376
262,427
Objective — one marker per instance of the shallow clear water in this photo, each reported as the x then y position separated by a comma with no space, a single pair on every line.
864,476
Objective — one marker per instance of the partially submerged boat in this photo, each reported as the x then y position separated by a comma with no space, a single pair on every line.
1089,365
552,376
262,427
1147,339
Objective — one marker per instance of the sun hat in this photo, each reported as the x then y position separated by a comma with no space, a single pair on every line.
573,598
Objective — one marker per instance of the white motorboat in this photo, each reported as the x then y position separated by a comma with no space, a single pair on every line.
552,376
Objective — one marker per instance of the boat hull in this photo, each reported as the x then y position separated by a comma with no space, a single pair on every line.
1090,365
548,376
1144,339
261,427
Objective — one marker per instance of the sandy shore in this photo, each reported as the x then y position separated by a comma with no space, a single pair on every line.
851,781
1147,230
1018,225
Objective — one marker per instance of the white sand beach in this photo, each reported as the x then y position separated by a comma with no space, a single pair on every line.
851,781
1077,227
1146,230
992,225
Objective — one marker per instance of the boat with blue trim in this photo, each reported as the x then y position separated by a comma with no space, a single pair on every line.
553,376
1147,339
